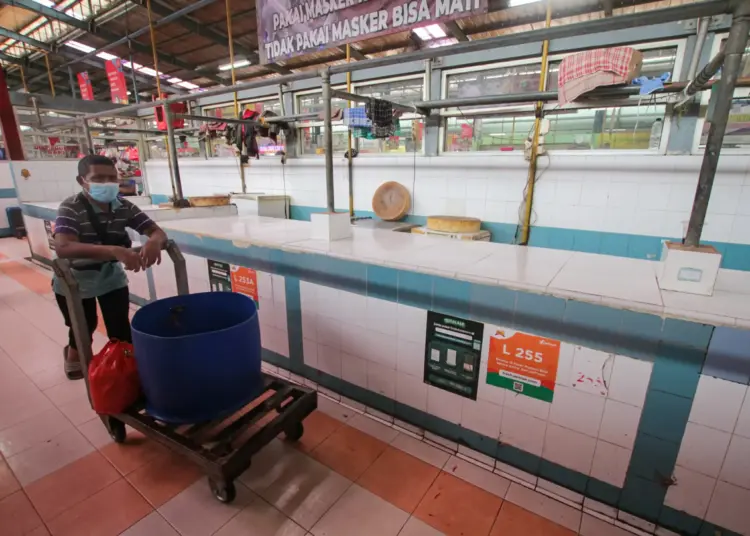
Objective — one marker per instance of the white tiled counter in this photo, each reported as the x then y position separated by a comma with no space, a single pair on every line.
645,410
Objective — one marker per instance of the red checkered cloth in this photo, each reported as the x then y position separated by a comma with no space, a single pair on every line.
590,69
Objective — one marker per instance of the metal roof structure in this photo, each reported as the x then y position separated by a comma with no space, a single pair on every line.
192,43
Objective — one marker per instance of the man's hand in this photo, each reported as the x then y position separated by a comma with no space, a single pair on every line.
129,258
151,253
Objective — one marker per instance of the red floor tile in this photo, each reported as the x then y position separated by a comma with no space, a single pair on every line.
318,427
515,521
458,508
349,452
17,516
164,477
136,452
8,483
74,483
107,513
399,478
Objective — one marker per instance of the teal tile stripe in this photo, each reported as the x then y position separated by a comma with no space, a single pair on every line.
7,193
734,256
5,232
41,213
294,320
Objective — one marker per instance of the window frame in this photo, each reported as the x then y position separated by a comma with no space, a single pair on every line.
705,98
677,43
355,86
240,103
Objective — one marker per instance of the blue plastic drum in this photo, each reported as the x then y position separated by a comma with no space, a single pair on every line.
198,355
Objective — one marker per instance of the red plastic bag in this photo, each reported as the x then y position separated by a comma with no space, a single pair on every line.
113,378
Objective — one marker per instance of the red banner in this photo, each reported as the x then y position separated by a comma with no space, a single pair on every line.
117,85
84,85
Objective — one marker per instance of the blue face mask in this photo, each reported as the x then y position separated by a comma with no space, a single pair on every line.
104,193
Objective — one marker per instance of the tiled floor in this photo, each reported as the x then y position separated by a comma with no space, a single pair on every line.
349,475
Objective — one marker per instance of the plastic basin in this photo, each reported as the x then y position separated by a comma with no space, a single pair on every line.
198,355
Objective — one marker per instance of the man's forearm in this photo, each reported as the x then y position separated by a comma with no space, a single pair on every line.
158,236
78,250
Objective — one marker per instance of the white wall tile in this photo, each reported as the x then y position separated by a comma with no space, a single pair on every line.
717,403
412,324
410,357
629,381
354,339
703,449
620,423
328,331
382,349
729,508
382,316
482,417
329,360
354,369
736,467
565,364
310,352
610,463
411,390
523,431
355,306
381,380
691,492
591,370
527,405
569,448
577,410
443,404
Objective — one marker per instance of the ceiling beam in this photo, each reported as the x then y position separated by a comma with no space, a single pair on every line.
356,54
53,14
70,55
197,27
455,30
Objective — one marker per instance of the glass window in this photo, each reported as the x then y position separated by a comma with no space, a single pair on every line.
313,143
737,135
313,103
636,127
496,81
403,91
618,128
409,126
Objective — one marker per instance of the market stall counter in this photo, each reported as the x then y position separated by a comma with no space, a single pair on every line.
555,368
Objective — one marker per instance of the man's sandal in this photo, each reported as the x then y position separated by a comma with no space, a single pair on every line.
73,369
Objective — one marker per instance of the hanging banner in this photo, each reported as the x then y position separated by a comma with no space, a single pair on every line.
84,85
117,85
288,28
225,277
523,363
453,354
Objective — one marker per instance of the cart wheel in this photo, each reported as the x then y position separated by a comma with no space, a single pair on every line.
116,430
294,432
224,492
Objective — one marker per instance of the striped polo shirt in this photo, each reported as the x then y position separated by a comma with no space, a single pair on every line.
73,219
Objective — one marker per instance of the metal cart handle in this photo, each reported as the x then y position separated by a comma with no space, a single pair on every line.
71,291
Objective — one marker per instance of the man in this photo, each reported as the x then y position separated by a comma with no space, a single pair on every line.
90,229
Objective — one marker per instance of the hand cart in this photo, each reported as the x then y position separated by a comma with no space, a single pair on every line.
224,447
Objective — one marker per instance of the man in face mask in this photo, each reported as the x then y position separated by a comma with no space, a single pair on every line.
91,231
